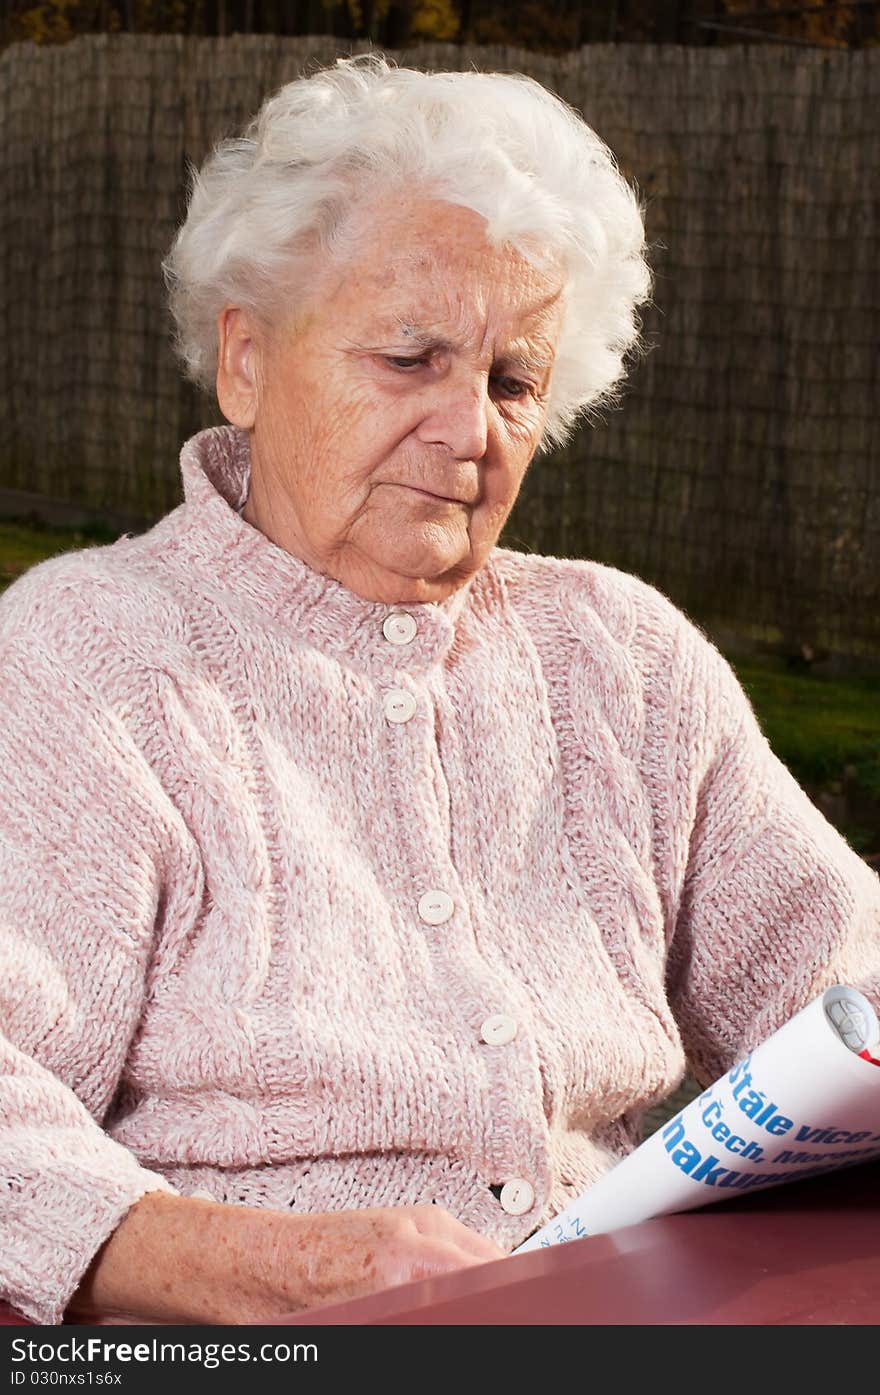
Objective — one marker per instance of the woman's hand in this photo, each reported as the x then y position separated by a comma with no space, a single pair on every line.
181,1259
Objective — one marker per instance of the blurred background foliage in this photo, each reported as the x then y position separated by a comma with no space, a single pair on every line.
548,27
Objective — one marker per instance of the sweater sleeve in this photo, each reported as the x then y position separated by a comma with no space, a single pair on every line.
85,838
775,905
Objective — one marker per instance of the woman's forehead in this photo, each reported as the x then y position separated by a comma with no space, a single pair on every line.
433,272
390,243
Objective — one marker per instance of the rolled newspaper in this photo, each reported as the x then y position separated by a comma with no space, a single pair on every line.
805,1101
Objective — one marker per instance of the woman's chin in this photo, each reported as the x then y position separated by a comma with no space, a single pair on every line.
401,578
425,562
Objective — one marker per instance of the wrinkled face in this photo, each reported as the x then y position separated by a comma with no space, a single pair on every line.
393,422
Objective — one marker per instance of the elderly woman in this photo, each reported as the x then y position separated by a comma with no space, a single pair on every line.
362,881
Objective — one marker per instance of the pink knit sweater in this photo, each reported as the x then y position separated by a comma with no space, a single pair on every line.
312,902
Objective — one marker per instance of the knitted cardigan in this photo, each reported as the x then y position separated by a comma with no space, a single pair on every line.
308,901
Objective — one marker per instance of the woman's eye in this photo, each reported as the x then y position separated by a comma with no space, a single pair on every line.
510,388
403,362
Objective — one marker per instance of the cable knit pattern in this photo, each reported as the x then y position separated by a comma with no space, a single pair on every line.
214,842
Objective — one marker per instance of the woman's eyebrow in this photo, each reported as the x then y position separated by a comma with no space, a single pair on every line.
402,333
525,359
522,357
425,340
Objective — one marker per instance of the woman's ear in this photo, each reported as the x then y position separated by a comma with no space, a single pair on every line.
236,367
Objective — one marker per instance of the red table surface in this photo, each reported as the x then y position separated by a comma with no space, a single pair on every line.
808,1253
805,1253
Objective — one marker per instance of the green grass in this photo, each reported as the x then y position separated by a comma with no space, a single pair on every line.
826,730
817,724
23,544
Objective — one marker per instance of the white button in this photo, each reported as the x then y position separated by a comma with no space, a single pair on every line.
400,627
517,1196
498,1030
398,705
435,907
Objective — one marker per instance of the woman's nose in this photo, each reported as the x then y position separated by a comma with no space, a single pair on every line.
457,416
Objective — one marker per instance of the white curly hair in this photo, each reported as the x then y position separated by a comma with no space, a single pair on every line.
499,144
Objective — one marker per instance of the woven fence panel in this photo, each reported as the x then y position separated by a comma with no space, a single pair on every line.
740,475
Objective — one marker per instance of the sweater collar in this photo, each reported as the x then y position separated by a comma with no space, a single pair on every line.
215,467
